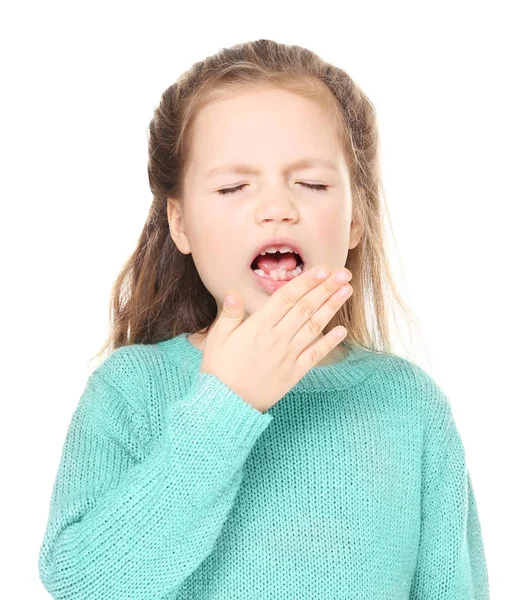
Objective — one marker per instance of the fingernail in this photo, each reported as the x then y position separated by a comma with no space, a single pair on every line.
322,274
341,277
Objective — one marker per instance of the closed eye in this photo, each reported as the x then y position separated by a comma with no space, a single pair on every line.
319,187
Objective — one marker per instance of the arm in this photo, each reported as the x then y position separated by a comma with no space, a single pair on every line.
451,562
123,525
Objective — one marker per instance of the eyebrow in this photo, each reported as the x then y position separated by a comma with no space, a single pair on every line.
303,163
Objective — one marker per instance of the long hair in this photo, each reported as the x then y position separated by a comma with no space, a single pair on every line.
158,293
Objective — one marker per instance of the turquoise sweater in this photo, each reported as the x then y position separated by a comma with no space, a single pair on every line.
171,486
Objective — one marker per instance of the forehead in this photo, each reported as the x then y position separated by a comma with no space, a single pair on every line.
251,131
245,168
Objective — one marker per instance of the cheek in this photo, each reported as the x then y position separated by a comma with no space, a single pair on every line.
331,229
327,225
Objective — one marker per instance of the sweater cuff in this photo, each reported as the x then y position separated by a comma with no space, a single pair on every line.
212,405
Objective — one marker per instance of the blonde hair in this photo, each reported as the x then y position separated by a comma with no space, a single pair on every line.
158,293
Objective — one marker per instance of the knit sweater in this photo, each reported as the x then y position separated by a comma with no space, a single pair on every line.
170,486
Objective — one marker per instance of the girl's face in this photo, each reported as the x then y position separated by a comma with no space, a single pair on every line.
268,130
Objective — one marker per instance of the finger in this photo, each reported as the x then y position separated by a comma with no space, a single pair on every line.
313,354
302,313
231,316
283,300
318,321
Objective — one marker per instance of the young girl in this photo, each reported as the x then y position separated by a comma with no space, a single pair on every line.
246,450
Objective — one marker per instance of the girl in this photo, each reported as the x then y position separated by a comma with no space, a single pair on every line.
246,450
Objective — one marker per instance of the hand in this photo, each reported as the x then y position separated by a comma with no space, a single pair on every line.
263,357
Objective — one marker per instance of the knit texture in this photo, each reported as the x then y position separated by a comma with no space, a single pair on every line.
353,486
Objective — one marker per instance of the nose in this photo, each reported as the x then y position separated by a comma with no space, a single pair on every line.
277,207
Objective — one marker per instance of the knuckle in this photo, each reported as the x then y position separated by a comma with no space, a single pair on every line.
315,355
305,308
313,326
288,299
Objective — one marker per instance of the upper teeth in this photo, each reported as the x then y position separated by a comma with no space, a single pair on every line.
283,250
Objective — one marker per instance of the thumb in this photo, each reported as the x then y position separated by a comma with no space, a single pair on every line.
232,312
231,315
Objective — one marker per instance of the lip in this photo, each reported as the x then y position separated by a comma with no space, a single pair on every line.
269,284
279,241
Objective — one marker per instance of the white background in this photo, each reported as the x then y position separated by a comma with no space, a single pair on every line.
450,84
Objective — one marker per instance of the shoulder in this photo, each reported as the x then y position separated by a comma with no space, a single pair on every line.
134,373
128,370
406,380
136,370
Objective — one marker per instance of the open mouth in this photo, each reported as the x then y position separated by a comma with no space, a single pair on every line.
279,266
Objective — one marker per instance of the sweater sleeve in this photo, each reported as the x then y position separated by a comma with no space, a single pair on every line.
451,561
130,525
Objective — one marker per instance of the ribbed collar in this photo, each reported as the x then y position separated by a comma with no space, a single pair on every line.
354,368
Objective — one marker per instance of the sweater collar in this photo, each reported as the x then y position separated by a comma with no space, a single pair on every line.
351,370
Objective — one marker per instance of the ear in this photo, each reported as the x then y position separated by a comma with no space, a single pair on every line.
176,225
356,232
357,222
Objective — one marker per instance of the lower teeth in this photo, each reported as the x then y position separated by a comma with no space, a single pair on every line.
279,274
